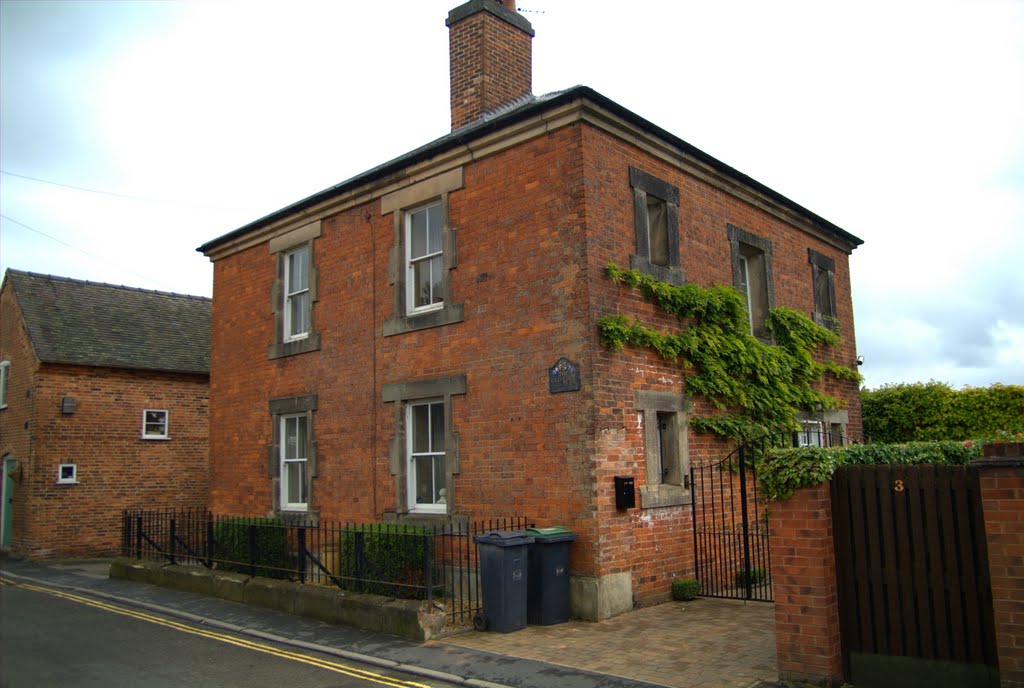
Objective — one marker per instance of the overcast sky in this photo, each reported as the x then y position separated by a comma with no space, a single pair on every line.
133,132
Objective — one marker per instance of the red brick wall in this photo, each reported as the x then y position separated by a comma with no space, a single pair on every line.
518,224
1002,493
116,468
535,225
805,588
705,256
15,420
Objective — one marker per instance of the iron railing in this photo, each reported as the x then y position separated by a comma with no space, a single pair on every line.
436,563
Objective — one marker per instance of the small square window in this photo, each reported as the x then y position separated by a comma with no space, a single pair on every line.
67,474
154,424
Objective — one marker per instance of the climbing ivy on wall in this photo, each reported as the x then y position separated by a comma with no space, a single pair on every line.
755,387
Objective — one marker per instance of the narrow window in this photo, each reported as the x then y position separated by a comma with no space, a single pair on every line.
656,227
823,283
154,424
663,417
294,456
296,294
5,372
425,259
427,474
657,231
668,448
752,275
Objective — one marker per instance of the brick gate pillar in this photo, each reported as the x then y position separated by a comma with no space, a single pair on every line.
805,588
1001,473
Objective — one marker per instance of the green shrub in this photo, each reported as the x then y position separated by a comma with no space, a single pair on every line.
685,589
934,411
783,470
757,577
271,558
393,559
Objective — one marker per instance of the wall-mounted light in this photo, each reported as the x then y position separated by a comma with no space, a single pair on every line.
860,360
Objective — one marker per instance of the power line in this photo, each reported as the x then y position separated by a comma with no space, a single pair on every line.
194,204
76,188
148,278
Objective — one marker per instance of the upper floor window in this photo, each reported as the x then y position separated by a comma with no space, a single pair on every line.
424,255
296,294
752,275
424,259
656,227
5,373
155,424
823,282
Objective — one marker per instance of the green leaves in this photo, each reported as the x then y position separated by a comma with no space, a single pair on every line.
784,470
933,410
756,386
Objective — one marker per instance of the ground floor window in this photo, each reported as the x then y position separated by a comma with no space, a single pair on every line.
292,455
425,448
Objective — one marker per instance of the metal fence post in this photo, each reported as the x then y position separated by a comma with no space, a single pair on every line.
252,549
428,565
302,553
138,536
360,546
171,544
209,540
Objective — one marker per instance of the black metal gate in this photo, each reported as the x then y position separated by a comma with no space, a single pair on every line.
730,528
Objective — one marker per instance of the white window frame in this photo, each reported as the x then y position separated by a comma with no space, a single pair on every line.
73,479
286,460
410,261
165,435
414,506
811,434
5,374
291,293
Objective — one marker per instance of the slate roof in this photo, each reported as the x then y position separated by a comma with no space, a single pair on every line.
88,323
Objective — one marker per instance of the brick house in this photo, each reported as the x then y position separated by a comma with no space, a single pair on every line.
420,342
104,401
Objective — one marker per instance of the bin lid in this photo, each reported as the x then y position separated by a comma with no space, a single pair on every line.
504,538
552,534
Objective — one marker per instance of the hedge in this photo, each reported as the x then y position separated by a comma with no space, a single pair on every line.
271,558
784,470
935,411
393,559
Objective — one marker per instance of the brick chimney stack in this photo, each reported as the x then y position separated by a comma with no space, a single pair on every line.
490,52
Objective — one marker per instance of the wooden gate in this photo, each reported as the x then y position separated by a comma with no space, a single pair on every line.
914,592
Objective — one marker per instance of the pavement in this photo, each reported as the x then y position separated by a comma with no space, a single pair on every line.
707,643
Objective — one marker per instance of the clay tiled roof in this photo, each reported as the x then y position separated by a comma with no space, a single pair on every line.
88,323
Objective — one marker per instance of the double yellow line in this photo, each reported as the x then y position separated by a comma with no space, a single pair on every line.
230,640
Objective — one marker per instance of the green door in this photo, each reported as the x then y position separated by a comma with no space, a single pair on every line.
7,503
